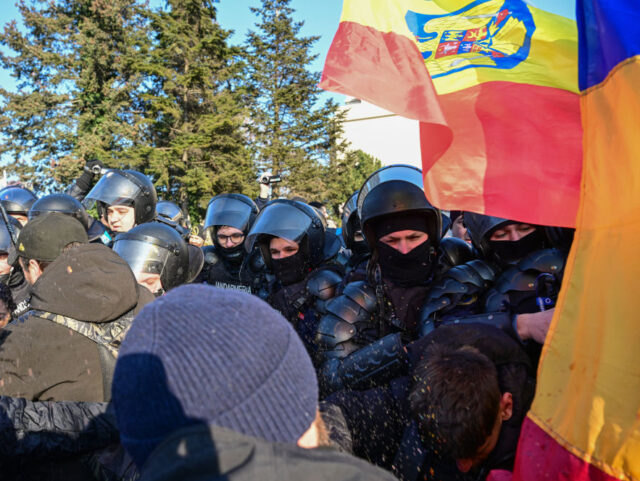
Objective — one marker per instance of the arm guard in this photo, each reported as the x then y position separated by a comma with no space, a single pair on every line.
460,289
322,285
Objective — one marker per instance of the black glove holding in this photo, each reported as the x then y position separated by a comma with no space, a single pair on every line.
91,168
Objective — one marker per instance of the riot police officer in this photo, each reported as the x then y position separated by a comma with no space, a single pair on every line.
301,254
157,255
12,275
124,199
17,201
66,204
514,286
361,337
227,265
353,238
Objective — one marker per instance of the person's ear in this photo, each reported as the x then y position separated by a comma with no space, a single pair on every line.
464,465
506,406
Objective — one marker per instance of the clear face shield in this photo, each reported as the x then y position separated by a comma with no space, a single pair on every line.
142,257
227,211
279,220
112,189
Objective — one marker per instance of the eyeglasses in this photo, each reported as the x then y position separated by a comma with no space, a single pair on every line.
234,237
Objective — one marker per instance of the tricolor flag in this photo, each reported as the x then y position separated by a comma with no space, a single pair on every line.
585,420
494,86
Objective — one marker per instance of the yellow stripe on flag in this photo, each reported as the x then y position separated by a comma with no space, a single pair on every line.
550,60
588,396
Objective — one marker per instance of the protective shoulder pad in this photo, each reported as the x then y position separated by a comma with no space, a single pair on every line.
348,324
453,252
322,283
211,256
537,277
255,261
461,287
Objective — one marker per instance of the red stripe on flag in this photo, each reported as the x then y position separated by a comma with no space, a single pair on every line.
516,151
386,69
541,457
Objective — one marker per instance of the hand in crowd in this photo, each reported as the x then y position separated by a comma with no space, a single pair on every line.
196,240
535,325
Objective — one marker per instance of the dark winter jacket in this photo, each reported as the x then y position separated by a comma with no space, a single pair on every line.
207,452
64,348
20,290
381,425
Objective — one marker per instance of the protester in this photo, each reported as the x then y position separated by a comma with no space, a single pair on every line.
207,374
458,413
458,229
83,300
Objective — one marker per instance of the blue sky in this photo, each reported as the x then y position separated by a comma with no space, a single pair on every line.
320,18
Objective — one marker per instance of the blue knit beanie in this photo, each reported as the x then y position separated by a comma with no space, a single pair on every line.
205,355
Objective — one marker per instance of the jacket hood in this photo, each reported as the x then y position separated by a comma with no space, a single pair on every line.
214,453
88,283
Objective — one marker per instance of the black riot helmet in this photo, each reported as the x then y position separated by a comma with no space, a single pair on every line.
62,203
155,248
17,200
6,244
480,228
396,189
125,187
351,225
170,211
234,210
297,222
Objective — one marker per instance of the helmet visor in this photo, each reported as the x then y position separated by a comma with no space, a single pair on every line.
405,173
112,189
280,220
227,211
141,256
349,208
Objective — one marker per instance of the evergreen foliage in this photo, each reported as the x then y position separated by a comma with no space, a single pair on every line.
195,117
290,133
77,81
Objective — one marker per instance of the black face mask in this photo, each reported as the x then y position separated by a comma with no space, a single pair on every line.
406,270
233,255
291,269
360,247
510,252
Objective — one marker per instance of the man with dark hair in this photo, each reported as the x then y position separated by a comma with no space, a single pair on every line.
83,299
456,416
461,419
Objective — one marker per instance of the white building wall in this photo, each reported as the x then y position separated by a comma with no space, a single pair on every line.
387,136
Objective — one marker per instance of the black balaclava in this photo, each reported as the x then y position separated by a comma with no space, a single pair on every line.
510,252
291,269
405,270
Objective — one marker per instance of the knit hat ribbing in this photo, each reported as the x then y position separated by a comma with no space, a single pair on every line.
201,354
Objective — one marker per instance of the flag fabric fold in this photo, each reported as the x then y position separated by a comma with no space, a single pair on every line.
494,86
584,423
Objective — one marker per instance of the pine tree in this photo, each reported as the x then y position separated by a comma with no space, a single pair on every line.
290,133
195,116
77,87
